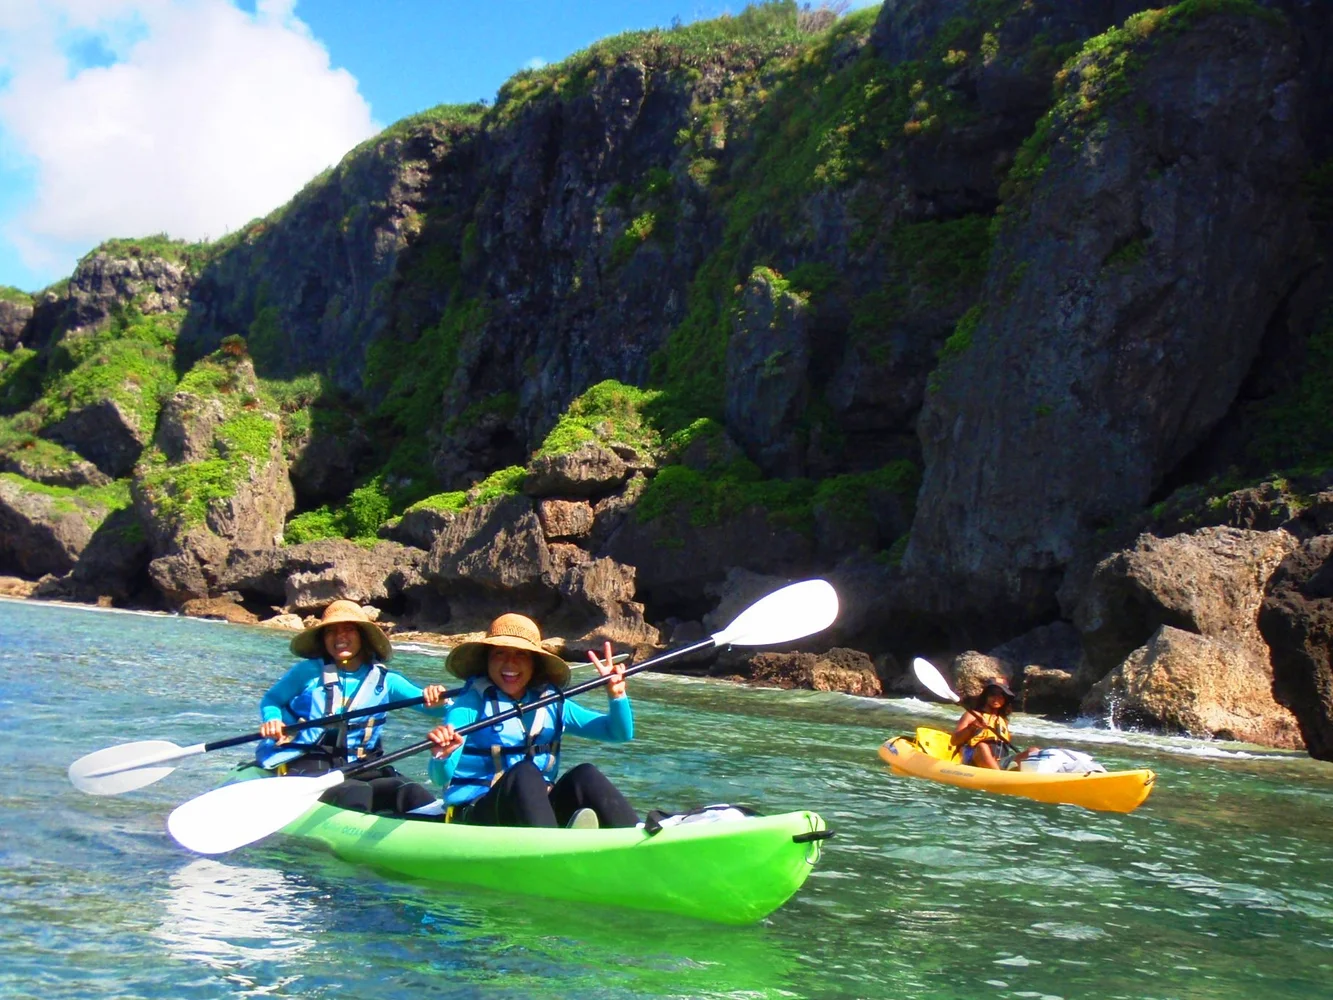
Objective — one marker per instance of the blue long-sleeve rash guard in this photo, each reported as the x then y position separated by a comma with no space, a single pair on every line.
614,726
274,704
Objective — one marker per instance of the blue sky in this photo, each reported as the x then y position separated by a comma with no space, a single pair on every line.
128,117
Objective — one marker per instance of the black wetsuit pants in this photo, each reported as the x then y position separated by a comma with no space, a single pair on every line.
522,798
377,791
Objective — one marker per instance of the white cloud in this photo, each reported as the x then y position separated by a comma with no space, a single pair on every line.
210,117
536,62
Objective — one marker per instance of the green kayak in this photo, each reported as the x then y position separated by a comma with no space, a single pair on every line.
728,871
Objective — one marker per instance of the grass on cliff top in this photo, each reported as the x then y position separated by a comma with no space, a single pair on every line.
192,255
610,412
8,293
757,33
98,500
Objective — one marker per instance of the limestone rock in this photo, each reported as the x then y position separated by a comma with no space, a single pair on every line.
421,526
597,601
77,473
972,671
1296,620
1202,686
590,470
565,518
767,389
41,533
186,425
105,433
1049,690
14,316
219,607
847,670
1210,582
498,546
1103,336
676,558
305,578
290,622
609,513
15,586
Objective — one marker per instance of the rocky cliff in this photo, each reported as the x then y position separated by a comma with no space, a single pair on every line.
950,300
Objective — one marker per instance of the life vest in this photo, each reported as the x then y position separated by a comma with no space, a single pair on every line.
998,730
489,752
325,695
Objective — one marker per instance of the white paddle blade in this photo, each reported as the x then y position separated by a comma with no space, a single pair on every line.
126,767
238,814
932,680
791,613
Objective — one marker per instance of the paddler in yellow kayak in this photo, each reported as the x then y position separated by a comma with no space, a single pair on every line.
983,731
506,774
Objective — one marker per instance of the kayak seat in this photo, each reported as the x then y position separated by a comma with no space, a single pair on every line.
935,743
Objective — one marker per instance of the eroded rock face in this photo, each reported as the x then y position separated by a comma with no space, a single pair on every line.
847,670
972,671
591,470
498,547
1194,684
676,559
14,316
1210,582
767,387
186,425
105,433
1122,337
305,578
1297,622
565,518
42,534
597,601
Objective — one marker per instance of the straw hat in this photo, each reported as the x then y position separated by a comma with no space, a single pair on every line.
310,645
511,631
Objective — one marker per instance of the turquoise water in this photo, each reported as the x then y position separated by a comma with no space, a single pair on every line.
1221,886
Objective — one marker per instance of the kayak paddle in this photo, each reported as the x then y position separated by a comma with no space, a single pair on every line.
933,681
245,811
123,768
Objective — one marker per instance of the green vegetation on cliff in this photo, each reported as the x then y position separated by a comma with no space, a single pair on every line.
192,256
94,501
130,363
610,412
240,448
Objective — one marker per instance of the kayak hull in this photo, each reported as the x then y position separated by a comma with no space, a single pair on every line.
1104,791
731,871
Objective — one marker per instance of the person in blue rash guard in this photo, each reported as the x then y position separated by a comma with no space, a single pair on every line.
506,775
342,670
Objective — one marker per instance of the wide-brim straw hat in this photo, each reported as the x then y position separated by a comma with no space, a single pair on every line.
310,645
511,631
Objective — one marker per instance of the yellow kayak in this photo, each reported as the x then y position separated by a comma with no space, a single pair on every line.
929,755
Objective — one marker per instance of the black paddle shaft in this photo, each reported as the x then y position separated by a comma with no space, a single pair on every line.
514,713
333,720
328,720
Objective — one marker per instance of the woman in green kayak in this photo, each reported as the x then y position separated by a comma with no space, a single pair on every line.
508,774
983,731
342,670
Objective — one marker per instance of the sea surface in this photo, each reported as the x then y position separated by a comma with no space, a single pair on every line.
1221,886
